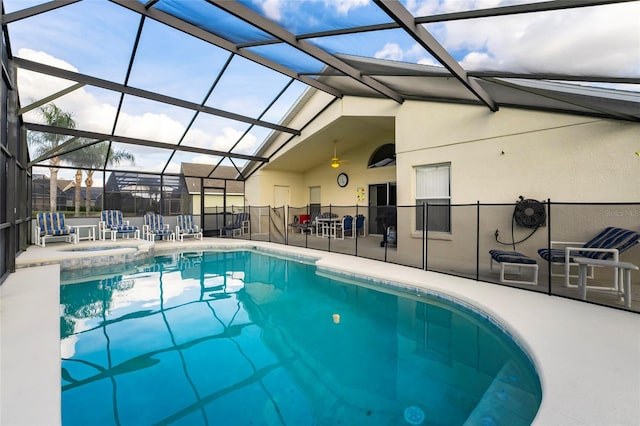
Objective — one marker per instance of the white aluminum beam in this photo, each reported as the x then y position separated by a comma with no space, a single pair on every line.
544,6
453,16
35,10
242,12
211,38
558,97
117,87
50,98
406,20
135,141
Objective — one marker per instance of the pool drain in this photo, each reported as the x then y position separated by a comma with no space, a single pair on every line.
414,415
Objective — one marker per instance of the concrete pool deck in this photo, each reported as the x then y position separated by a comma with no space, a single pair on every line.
587,356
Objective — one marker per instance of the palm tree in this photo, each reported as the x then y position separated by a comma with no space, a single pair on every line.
77,182
91,158
77,192
46,142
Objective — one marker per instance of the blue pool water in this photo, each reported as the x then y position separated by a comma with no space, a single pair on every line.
244,338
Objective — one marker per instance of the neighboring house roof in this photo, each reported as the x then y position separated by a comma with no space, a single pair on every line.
131,181
41,186
215,183
96,191
63,183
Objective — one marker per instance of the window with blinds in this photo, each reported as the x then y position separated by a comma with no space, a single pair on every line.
433,191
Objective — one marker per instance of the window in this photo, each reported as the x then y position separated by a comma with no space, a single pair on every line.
383,156
314,201
433,190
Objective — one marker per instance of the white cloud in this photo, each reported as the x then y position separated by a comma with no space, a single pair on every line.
225,141
415,54
429,61
599,40
157,127
144,290
343,7
205,159
68,346
273,9
222,141
247,145
45,58
477,60
391,51
436,7
93,115
578,42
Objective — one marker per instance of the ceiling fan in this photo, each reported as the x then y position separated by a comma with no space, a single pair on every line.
335,161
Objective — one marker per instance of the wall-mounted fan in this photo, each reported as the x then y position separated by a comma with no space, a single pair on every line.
528,213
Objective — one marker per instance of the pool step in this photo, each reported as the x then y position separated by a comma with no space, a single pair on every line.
505,402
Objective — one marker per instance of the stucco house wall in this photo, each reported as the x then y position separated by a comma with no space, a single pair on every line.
495,156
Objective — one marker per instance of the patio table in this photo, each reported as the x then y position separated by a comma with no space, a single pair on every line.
91,232
328,226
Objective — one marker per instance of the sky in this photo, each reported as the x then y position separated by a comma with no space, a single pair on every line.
97,39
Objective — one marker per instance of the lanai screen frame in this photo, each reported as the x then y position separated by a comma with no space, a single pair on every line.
368,80
266,32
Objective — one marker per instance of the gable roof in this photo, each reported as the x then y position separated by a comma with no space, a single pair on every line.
215,183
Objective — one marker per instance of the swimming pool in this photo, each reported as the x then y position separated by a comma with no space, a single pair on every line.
245,338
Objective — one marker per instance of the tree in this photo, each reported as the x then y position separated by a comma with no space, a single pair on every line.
77,182
77,192
91,158
44,143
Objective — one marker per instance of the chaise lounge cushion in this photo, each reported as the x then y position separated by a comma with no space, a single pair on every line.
51,224
610,238
155,225
114,221
502,256
511,259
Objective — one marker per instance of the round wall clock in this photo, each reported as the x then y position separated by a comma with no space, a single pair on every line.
343,180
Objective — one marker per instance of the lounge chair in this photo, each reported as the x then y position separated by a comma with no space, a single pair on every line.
300,222
187,228
514,260
296,222
51,225
305,225
239,226
607,245
111,221
154,226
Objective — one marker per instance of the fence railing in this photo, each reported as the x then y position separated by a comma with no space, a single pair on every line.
397,234
465,236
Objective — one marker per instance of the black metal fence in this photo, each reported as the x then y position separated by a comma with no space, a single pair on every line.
397,234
